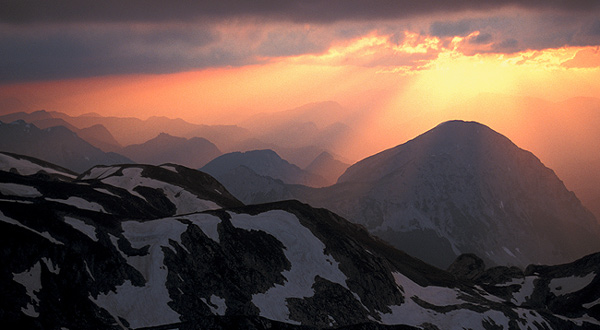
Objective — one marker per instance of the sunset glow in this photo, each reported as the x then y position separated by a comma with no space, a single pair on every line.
396,69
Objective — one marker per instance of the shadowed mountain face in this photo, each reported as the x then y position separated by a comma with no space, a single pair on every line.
164,148
262,162
328,167
464,187
57,145
165,247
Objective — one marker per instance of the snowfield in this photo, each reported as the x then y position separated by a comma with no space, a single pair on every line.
304,251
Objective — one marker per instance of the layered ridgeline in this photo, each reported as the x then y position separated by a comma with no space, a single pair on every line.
459,188
165,148
167,247
58,145
262,162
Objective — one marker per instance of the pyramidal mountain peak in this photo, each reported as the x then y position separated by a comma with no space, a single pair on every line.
462,187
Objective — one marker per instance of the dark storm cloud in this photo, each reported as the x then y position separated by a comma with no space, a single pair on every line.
450,29
68,52
43,11
44,40
482,38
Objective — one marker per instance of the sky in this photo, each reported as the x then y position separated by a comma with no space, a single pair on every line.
221,61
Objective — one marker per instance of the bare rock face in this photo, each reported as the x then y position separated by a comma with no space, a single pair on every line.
467,266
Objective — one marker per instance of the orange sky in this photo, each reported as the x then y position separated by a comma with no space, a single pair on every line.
404,67
435,78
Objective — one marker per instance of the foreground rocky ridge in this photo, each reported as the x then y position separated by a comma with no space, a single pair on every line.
131,246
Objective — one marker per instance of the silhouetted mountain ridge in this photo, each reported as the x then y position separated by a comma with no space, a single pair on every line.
164,148
263,162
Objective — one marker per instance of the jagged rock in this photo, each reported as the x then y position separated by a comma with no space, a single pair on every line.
467,266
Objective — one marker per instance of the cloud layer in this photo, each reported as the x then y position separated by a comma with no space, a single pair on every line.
44,40
313,11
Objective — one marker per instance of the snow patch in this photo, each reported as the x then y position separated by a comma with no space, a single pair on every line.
566,285
80,203
305,253
15,189
51,266
105,191
527,287
100,172
83,227
15,201
220,303
170,168
592,304
140,306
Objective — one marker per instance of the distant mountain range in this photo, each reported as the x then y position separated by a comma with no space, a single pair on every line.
168,247
262,162
164,148
58,145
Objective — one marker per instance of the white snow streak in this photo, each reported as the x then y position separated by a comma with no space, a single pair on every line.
170,168
508,251
105,191
16,223
100,172
592,304
15,189
80,203
83,227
